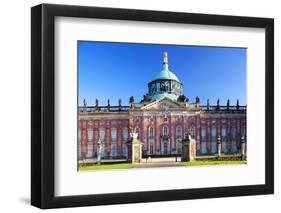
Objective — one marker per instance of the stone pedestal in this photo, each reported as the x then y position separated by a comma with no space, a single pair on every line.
219,147
134,151
243,148
188,149
99,151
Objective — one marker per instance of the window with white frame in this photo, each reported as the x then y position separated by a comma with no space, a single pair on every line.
125,134
214,145
203,140
113,134
102,133
223,139
90,134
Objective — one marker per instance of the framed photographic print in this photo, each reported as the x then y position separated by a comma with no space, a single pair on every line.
139,106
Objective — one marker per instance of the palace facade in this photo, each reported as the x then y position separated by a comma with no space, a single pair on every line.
161,119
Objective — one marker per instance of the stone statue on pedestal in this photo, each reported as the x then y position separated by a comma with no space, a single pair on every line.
84,105
134,148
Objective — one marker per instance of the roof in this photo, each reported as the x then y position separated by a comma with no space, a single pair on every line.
166,75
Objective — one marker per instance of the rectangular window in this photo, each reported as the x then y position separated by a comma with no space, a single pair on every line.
90,134
203,140
214,142
102,133
125,134
223,139
113,134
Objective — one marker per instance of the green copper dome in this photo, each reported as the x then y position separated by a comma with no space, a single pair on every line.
165,84
166,74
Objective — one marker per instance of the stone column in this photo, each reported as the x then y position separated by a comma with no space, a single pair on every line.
219,147
188,149
243,148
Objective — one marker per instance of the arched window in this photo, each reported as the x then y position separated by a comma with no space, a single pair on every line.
151,132
165,130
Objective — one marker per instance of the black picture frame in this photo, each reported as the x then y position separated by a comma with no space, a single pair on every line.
43,102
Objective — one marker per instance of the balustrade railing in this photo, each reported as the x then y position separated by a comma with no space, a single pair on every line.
126,108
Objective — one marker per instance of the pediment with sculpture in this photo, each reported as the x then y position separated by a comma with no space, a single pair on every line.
163,104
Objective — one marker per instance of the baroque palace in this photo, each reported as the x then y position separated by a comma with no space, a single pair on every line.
161,120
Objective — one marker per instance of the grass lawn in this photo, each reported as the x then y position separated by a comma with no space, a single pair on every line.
106,166
211,162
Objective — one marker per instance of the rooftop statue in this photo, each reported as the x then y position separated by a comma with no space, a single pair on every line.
84,102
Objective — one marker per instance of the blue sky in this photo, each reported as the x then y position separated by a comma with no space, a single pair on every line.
119,70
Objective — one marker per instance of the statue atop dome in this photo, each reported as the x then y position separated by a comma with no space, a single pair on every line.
165,62
166,57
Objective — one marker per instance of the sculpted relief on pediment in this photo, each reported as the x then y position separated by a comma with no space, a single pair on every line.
164,105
